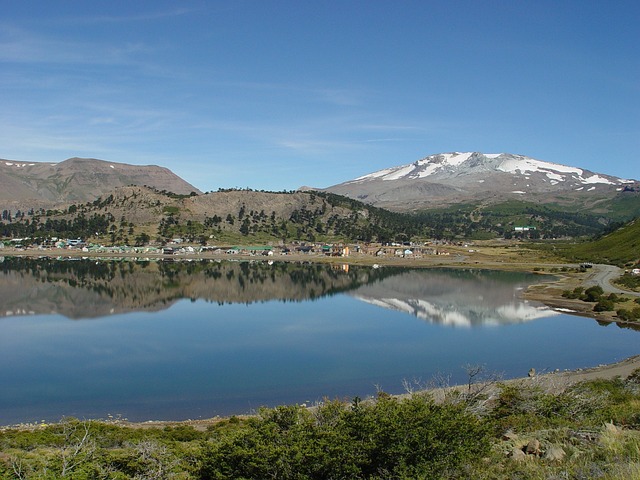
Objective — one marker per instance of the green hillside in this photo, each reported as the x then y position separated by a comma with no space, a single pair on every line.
619,247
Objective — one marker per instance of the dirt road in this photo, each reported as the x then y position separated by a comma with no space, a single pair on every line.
602,275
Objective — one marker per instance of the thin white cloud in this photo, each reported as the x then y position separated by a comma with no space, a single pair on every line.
22,46
343,97
390,127
385,140
139,17
39,144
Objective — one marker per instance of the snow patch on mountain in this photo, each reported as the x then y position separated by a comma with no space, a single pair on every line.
521,164
470,163
18,165
554,171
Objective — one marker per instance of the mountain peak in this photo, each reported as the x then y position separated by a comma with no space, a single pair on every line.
472,163
448,178
38,184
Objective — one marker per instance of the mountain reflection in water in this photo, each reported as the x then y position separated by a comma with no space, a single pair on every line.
461,298
204,338
89,288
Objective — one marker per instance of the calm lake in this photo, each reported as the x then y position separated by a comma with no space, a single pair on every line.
176,340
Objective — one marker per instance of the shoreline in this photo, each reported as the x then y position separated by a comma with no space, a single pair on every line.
548,292
550,382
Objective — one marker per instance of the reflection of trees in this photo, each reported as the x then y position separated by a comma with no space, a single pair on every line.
82,288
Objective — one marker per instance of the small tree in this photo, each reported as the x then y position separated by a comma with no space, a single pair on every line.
593,294
604,305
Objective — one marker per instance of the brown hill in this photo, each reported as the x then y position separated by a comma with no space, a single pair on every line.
77,180
144,205
127,214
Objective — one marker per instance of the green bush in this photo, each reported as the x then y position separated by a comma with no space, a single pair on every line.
575,293
593,294
629,315
389,437
604,305
629,281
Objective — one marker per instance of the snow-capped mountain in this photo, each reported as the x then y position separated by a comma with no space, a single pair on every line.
448,178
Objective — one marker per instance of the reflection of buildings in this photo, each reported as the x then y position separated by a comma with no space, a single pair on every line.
454,298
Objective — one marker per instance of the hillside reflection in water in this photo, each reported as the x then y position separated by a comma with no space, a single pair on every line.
195,339
82,288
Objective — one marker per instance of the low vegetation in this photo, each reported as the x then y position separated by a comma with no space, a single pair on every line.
626,308
620,247
513,430
629,281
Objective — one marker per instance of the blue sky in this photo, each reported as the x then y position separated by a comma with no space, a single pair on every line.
278,94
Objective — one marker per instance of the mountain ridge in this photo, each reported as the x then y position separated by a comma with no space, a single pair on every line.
444,179
470,195
48,184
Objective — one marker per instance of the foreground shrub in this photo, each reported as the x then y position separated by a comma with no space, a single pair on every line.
595,425
388,438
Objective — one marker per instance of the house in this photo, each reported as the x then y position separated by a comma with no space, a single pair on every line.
252,250
338,250
74,242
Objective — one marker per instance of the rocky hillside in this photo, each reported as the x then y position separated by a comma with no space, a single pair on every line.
453,178
26,185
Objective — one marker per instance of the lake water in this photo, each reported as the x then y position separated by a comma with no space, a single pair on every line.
161,340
